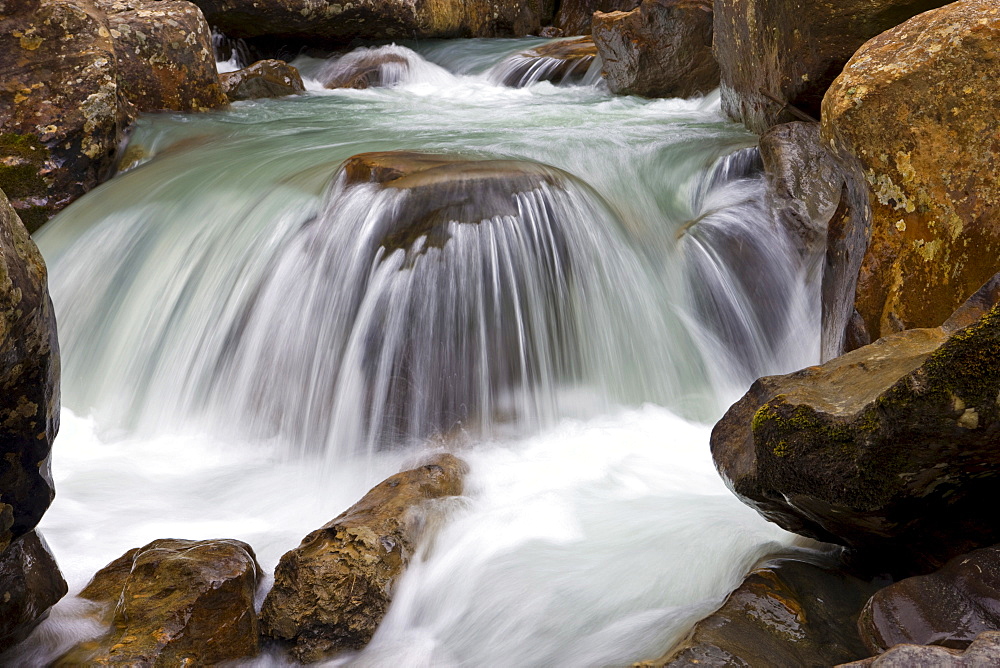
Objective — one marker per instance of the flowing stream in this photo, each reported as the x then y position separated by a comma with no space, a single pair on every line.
245,354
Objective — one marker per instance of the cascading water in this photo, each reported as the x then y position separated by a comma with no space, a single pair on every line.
253,336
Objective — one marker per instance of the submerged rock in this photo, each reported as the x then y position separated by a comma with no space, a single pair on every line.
773,52
265,78
889,449
983,652
30,584
949,607
575,16
789,611
563,62
661,49
29,378
339,23
366,68
444,189
61,111
164,55
916,107
332,591
175,602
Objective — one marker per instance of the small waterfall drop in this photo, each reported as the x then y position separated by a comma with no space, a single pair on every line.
568,291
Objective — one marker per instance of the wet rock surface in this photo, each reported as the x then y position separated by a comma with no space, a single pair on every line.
789,611
330,24
789,51
331,592
949,607
30,584
889,449
174,602
663,48
62,113
29,379
914,108
265,78
164,54
984,651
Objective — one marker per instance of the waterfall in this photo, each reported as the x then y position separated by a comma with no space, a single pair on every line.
567,289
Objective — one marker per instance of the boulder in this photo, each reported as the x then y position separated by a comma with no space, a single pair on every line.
889,449
164,55
61,111
331,592
949,607
30,584
332,24
265,78
984,651
562,62
29,380
663,48
916,107
774,53
174,602
790,611
823,202
574,16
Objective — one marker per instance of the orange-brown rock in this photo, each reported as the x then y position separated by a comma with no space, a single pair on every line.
917,107
62,114
799,610
661,49
174,603
265,78
164,54
331,592
790,50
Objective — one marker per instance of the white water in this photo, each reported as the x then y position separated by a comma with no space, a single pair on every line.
594,529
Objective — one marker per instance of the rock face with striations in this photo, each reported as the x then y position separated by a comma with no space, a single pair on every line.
792,50
983,652
331,24
661,49
789,611
62,113
174,603
889,449
949,607
164,54
917,108
331,592
823,202
265,78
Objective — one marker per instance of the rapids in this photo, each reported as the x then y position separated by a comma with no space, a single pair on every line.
242,359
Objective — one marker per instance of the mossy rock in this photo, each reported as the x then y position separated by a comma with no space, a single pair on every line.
889,449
